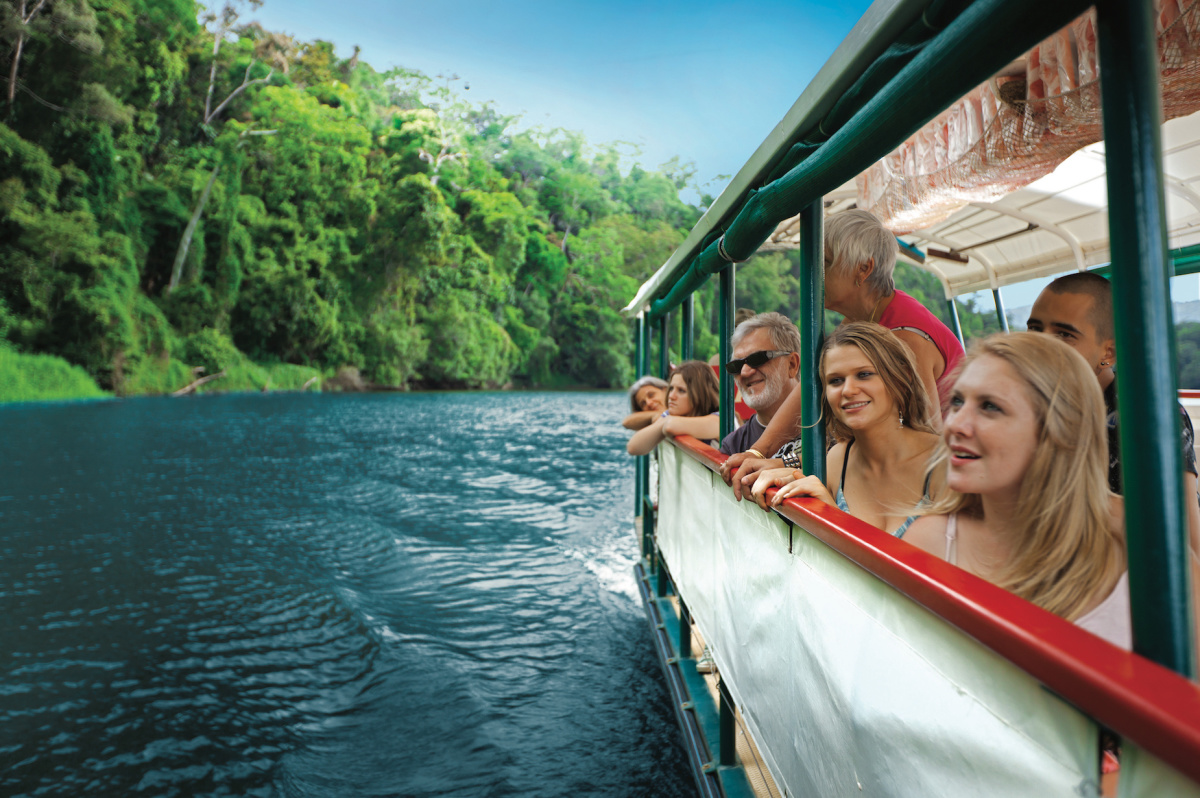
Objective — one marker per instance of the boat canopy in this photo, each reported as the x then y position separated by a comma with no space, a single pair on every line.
1005,185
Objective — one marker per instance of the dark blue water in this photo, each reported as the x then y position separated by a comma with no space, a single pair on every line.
307,595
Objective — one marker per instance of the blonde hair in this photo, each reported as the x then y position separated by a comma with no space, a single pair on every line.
1066,552
894,362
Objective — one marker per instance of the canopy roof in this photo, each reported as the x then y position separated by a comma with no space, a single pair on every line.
1068,209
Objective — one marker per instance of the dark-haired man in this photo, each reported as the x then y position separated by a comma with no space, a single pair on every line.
1078,310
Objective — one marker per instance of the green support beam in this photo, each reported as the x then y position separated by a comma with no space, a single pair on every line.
1000,314
1152,465
812,336
664,346
639,485
727,302
953,306
687,333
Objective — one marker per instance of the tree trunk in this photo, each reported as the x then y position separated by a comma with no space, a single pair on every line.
12,74
186,242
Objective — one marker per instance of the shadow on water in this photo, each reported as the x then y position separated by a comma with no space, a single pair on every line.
313,595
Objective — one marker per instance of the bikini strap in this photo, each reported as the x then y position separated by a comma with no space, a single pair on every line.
845,460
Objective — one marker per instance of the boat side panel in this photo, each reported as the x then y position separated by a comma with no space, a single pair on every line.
850,687
1144,775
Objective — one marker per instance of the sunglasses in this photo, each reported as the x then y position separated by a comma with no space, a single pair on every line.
756,360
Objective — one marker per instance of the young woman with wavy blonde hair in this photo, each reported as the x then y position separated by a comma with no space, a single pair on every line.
1028,505
876,407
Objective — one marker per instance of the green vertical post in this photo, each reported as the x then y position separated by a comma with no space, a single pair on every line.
728,309
644,365
1000,314
727,728
639,486
687,332
1151,462
812,335
955,321
685,631
664,346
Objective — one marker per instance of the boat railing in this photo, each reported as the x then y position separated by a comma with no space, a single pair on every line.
862,665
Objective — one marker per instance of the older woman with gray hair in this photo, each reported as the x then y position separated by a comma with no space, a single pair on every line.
648,400
860,256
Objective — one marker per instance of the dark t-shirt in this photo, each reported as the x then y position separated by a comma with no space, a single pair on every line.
1114,439
744,437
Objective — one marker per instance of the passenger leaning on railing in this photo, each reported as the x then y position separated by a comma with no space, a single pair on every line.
692,402
877,408
1028,505
860,255
648,398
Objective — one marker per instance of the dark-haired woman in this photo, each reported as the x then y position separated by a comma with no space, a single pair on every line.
692,402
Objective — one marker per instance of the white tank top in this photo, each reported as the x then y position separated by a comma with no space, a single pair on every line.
1109,619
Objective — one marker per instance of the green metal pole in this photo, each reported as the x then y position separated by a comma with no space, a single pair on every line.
639,486
664,346
1151,463
685,631
955,321
687,333
644,365
812,335
727,730
1000,314
728,309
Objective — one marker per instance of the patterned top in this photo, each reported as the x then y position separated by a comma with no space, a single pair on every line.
1114,440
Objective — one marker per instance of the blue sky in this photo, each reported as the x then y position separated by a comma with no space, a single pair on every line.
704,81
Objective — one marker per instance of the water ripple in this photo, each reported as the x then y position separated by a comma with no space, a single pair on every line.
325,596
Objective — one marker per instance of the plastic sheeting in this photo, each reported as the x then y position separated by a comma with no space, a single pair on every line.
848,687
1019,126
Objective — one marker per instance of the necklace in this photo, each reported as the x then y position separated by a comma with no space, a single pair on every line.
875,309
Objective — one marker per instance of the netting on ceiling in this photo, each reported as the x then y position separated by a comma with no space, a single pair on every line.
1021,124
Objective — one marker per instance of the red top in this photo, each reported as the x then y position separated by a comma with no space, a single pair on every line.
904,311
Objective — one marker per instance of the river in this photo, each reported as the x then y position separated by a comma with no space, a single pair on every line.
324,595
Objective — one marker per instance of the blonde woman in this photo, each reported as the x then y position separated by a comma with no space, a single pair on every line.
1028,505
877,407
692,402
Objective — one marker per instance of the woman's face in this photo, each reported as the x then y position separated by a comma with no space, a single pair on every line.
991,428
651,397
679,403
855,390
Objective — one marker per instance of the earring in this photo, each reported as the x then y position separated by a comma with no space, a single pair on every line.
1103,364
901,418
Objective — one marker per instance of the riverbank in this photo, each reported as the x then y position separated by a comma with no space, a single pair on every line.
45,378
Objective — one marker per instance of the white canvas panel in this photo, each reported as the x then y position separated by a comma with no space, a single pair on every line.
1144,775
849,687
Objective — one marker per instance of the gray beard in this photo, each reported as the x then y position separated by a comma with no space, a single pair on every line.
769,394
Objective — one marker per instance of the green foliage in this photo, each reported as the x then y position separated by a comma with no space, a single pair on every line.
40,378
1187,347
340,216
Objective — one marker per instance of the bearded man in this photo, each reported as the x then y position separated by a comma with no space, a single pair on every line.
766,368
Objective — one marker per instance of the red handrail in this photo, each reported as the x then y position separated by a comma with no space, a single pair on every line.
1154,707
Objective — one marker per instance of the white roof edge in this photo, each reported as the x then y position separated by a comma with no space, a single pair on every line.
871,35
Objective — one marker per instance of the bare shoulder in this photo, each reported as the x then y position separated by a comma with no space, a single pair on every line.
928,533
923,349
